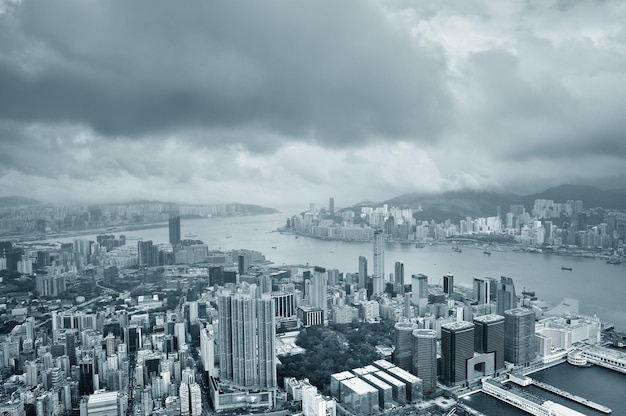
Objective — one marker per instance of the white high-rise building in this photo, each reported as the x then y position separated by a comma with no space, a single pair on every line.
195,399
379,262
207,350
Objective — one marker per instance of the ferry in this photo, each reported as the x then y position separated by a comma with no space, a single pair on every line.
569,269
487,253
191,235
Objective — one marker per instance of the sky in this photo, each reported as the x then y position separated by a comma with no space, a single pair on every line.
289,102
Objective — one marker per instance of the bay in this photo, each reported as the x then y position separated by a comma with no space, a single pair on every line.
599,287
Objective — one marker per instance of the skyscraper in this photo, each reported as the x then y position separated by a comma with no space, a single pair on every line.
425,358
331,206
419,290
399,277
317,290
246,340
506,295
174,225
519,335
489,337
379,261
448,284
482,291
362,272
403,353
457,346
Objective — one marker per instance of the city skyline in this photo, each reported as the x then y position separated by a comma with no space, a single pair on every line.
255,104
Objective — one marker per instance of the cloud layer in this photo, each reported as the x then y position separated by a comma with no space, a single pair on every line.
283,102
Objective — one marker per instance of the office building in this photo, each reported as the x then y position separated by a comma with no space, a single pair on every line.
457,347
318,287
207,350
331,206
419,289
379,262
506,295
489,337
482,289
424,363
399,277
174,226
362,272
448,284
519,336
246,340
101,403
403,353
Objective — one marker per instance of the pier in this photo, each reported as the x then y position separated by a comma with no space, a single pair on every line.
604,357
572,397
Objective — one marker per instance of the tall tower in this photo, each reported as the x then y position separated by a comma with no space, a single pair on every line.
448,284
403,353
425,358
331,206
399,276
379,261
489,337
519,335
318,289
457,346
174,225
482,291
246,340
506,295
419,292
362,272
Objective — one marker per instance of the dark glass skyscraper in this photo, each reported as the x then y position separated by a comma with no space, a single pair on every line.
506,295
174,226
489,337
362,272
448,284
403,353
519,336
425,358
457,346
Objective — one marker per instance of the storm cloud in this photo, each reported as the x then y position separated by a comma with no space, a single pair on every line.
268,101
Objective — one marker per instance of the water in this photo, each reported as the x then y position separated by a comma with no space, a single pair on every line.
597,384
600,288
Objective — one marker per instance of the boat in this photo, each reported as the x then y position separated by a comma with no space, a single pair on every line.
274,247
457,249
487,253
229,236
569,269
191,235
420,245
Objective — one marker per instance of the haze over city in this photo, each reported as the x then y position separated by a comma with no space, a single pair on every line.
277,102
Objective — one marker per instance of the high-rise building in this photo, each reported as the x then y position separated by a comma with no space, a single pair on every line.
482,289
174,225
399,276
331,206
102,403
457,347
448,284
419,292
489,337
379,261
318,288
425,358
148,253
506,295
207,350
362,272
246,340
519,336
403,353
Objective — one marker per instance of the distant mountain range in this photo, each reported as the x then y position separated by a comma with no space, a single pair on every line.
460,204
17,201
20,201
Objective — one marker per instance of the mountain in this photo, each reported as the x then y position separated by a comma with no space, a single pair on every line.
592,197
17,201
456,205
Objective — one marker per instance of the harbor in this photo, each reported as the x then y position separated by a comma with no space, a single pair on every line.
573,397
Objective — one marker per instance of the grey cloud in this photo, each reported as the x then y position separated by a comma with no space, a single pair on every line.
334,73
